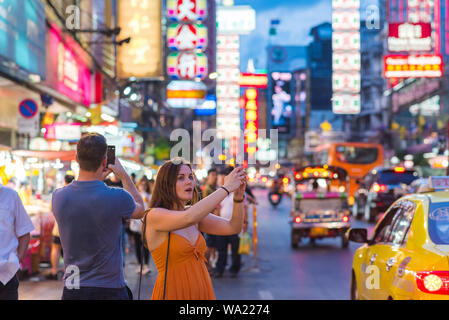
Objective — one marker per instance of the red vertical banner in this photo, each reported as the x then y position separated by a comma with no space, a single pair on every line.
251,120
446,20
437,20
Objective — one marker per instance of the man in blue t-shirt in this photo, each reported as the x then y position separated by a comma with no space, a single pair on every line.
89,215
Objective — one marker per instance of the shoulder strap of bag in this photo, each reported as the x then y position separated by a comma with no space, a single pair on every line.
166,264
142,249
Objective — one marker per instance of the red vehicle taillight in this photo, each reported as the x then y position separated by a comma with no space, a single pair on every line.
435,282
298,220
345,218
379,187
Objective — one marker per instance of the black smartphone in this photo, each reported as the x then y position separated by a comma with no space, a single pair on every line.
111,155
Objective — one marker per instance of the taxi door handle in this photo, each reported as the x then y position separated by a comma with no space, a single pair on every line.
390,263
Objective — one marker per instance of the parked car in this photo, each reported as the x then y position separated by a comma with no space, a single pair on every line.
379,189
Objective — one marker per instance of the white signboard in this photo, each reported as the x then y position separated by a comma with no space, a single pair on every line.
346,103
228,107
346,61
346,20
346,40
236,20
346,82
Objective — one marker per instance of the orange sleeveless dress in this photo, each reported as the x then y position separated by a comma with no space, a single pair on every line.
187,275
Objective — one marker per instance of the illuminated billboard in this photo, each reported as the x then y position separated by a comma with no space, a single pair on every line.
186,36
346,103
236,20
413,66
409,37
187,65
251,120
185,94
142,57
186,10
346,59
252,80
282,109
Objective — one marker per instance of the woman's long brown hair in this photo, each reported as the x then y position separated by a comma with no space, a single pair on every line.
164,189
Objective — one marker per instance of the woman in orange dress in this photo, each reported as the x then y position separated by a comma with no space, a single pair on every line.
173,230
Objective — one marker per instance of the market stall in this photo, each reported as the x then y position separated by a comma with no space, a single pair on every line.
37,174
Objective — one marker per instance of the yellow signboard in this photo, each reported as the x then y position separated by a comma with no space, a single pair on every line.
142,57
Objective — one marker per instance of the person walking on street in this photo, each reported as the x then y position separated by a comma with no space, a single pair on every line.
136,228
223,241
56,250
15,228
173,230
89,215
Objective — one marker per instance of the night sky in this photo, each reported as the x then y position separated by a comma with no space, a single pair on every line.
297,18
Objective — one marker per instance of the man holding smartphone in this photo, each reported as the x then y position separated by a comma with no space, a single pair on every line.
89,215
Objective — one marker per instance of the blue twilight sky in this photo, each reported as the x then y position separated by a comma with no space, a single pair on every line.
297,18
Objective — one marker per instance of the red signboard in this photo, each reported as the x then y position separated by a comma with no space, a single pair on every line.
406,29
252,80
409,37
413,66
251,120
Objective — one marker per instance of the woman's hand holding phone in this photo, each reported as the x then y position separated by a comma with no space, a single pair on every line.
234,180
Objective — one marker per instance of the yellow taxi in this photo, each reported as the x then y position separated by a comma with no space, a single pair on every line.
407,256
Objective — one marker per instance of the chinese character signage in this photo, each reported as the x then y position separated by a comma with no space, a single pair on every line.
252,80
346,103
186,10
142,57
346,40
251,120
409,37
236,20
345,4
346,82
342,20
187,65
70,76
185,94
346,59
188,38
181,37
419,66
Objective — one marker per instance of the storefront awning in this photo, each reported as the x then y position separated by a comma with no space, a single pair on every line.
47,155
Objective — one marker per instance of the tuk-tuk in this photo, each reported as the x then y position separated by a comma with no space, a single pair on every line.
320,204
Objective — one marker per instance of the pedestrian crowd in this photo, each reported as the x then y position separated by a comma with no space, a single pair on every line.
186,226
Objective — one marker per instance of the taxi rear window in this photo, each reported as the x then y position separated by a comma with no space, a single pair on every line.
439,222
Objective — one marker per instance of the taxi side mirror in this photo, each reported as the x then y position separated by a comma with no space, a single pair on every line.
357,235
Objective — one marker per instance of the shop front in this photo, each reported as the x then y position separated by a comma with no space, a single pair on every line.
419,122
